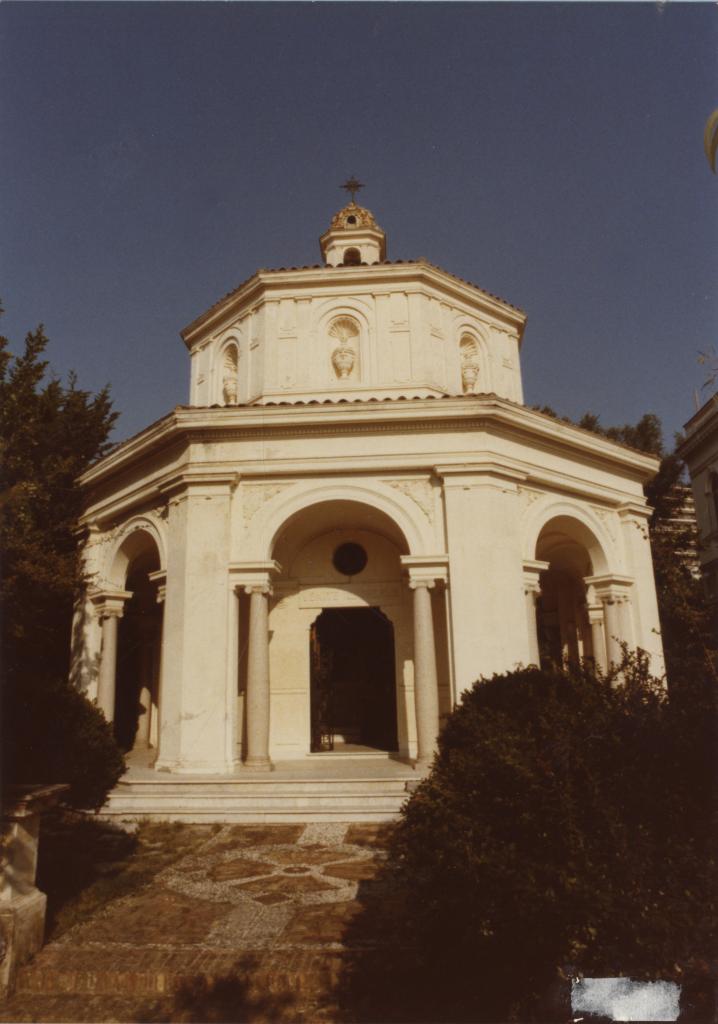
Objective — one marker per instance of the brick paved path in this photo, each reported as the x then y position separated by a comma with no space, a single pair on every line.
250,926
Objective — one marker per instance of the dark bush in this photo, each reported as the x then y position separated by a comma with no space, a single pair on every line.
54,734
561,826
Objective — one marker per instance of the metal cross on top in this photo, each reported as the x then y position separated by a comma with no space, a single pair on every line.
352,186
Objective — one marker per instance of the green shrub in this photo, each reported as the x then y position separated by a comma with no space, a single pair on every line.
561,825
54,734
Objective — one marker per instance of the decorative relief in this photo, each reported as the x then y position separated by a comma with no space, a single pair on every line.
527,496
353,216
608,519
345,330
469,350
230,375
421,493
160,511
256,495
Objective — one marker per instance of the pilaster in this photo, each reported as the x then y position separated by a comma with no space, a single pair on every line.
195,713
488,608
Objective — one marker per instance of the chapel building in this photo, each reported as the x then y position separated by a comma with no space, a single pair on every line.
354,518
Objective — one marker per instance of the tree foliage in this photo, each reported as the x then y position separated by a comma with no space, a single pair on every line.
49,433
560,826
567,820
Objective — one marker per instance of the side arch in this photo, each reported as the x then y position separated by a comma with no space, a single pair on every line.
589,531
131,542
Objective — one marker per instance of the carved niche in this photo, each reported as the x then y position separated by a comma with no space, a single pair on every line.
230,375
345,330
469,353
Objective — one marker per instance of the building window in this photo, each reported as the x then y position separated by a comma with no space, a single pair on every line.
352,257
714,497
349,559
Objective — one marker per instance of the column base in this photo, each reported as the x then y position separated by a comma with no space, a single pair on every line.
423,764
258,764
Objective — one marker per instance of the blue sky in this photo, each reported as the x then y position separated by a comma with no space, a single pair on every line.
155,155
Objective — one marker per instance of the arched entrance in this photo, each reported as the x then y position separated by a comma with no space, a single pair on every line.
562,612
353,685
139,637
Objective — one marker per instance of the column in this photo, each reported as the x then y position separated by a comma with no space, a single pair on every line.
426,691
161,580
532,591
612,629
108,662
595,618
257,695
145,696
611,590
624,620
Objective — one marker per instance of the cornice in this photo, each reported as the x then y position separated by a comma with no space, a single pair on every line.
188,426
701,429
264,282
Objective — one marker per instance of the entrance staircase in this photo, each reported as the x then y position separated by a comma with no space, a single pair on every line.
321,788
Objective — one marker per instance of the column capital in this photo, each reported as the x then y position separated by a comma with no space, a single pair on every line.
159,578
110,603
609,588
425,570
256,588
250,575
635,509
414,584
532,572
595,614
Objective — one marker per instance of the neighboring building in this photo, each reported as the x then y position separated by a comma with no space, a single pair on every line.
700,452
353,519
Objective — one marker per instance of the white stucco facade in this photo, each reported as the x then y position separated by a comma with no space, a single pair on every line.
376,405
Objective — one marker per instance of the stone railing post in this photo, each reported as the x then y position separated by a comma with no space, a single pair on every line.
22,905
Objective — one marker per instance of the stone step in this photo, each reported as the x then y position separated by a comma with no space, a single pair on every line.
265,786
258,801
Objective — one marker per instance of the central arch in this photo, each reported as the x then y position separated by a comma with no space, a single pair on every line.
324,606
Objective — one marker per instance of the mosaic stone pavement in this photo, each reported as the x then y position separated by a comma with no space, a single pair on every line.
262,910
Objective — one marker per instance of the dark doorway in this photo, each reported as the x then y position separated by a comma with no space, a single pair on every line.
353,693
137,661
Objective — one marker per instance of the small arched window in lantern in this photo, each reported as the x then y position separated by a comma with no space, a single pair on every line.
469,351
352,257
230,375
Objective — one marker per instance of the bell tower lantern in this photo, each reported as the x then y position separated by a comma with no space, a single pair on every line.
354,237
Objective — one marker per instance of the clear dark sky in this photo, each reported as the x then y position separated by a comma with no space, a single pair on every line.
155,155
